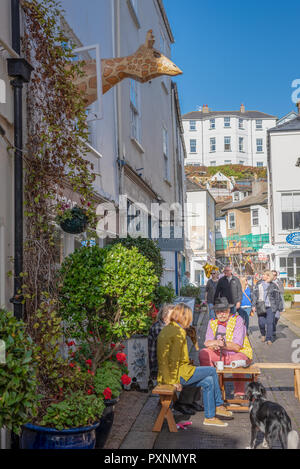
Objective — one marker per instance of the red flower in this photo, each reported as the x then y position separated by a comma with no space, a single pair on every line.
107,393
90,391
69,344
72,365
121,357
122,347
89,362
90,332
91,372
112,346
126,379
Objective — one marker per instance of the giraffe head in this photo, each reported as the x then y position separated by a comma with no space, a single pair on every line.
148,63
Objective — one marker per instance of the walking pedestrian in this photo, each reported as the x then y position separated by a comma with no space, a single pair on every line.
186,279
246,304
280,285
230,287
210,291
266,300
174,366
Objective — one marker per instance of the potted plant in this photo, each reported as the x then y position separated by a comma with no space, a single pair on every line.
72,220
68,412
288,299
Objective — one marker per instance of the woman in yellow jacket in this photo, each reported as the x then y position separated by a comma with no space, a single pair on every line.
174,366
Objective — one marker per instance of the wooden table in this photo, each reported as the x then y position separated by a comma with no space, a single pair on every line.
285,366
243,405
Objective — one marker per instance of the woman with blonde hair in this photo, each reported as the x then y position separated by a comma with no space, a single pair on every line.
174,366
266,301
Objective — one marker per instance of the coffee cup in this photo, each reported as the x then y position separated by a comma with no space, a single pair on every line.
220,366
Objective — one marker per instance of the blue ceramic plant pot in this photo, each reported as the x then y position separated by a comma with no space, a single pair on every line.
36,437
107,420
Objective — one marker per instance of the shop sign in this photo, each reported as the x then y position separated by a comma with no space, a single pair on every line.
294,238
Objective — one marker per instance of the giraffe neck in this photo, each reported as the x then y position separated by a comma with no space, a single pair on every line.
114,71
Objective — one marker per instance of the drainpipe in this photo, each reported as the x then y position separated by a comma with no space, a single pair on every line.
20,70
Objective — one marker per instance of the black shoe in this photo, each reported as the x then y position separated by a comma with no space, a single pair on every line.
184,409
197,407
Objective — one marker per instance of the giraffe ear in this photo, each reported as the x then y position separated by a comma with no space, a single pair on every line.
150,39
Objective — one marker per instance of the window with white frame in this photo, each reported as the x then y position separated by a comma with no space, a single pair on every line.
227,161
166,154
290,210
135,115
241,162
212,144
231,220
236,196
255,217
258,123
212,123
241,144
213,163
226,122
192,126
259,145
290,266
259,164
193,146
241,123
227,143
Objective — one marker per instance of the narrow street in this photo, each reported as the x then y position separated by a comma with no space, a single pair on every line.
279,385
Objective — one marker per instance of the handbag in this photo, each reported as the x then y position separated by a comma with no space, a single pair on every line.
261,305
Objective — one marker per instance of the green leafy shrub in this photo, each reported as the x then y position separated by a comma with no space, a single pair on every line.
106,296
148,248
18,384
191,291
288,297
108,376
164,294
76,410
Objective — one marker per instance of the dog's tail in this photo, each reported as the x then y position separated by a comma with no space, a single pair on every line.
292,440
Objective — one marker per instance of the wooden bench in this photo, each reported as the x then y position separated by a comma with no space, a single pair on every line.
243,405
167,395
285,366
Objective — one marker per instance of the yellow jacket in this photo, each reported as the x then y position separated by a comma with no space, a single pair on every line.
172,355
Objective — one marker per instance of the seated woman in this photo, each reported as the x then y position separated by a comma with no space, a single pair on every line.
226,340
174,366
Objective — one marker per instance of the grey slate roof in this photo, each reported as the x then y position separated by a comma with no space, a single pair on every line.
199,115
291,125
192,186
260,197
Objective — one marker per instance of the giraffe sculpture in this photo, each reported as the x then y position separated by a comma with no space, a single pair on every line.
144,65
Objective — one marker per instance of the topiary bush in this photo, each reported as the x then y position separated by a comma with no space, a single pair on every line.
148,248
18,384
105,297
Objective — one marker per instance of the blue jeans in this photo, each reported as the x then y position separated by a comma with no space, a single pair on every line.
206,378
267,324
211,311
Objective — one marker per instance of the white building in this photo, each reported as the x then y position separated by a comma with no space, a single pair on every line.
215,138
284,199
140,136
200,231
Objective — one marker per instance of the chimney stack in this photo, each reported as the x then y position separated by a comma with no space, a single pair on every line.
242,108
205,108
298,106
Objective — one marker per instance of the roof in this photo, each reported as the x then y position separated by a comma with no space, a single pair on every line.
199,115
192,186
291,125
259,197
219,207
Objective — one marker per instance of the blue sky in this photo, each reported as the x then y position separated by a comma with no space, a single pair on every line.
234,51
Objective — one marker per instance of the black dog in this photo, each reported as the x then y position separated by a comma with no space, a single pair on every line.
270,418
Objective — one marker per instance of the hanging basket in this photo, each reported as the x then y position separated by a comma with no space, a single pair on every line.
77,223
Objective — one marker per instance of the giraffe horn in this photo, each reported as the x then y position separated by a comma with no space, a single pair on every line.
150,39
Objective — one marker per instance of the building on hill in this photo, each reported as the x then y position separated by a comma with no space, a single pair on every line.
247,226
216,138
